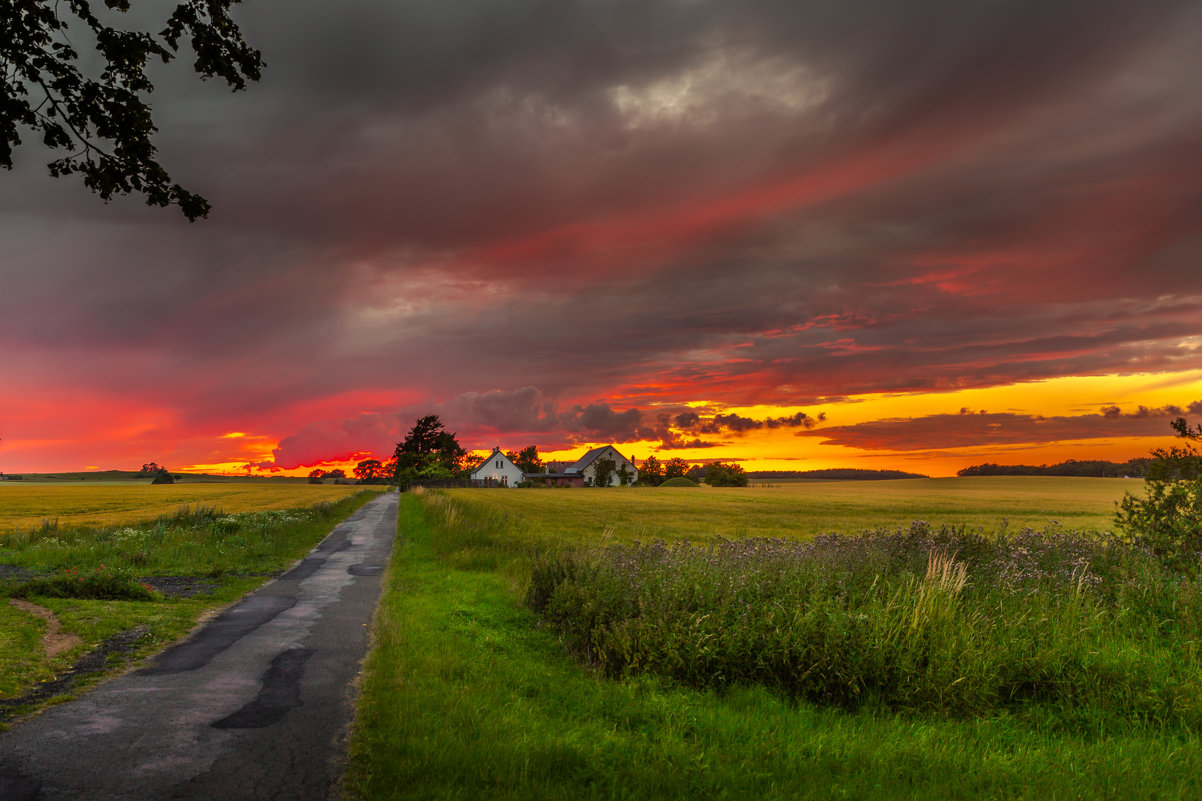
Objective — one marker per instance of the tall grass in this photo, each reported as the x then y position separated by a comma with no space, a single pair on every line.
1085,628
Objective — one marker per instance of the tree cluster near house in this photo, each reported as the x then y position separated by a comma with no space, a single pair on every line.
527,459
718,474
429,452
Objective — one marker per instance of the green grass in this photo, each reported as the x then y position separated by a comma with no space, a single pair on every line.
234,553
20,656
25,666
465,695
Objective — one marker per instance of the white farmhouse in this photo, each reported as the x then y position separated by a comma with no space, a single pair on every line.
587,465
499,468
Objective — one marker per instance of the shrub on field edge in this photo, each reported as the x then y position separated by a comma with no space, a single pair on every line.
101,584
1168,519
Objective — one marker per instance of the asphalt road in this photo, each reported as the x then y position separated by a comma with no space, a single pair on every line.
253,706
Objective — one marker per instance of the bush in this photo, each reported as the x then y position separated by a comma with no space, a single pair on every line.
1168,519
100,584
680,481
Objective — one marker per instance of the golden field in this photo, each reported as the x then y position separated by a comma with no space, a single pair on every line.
783,508
24,506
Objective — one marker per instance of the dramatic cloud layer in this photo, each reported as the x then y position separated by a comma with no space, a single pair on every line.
524,416
563,222
970,429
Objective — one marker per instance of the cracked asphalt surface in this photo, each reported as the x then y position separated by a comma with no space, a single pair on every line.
255,705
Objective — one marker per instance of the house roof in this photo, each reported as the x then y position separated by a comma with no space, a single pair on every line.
496,454
584,461
588,458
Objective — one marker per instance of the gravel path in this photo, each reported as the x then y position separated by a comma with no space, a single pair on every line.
254,706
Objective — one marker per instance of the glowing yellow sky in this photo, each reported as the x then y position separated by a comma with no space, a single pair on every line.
779,449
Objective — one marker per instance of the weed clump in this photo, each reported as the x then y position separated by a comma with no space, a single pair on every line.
99,584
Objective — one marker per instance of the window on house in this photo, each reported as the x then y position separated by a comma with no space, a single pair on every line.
498,464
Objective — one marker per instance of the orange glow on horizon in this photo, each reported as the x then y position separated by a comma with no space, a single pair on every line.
791,447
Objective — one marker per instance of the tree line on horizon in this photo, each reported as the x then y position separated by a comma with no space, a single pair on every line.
837,473
1087,468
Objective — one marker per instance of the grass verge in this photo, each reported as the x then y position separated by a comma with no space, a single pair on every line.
465,696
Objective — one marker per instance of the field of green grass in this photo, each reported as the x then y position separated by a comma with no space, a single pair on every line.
100,582
474,691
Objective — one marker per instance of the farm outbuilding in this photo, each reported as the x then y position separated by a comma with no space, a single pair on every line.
550,479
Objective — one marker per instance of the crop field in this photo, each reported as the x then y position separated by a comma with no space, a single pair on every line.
802,640
804,508
26,505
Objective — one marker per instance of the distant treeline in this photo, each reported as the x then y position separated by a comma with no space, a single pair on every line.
837,474
1096,468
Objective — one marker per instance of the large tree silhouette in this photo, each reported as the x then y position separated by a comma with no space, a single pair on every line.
93,104
428,451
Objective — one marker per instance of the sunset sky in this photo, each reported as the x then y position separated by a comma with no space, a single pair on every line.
874,234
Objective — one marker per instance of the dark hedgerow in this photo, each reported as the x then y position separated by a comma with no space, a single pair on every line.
946,621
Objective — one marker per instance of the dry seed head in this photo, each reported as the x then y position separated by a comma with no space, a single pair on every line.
945,572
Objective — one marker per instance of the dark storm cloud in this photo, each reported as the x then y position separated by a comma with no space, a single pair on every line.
974,429
737,424
753,202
